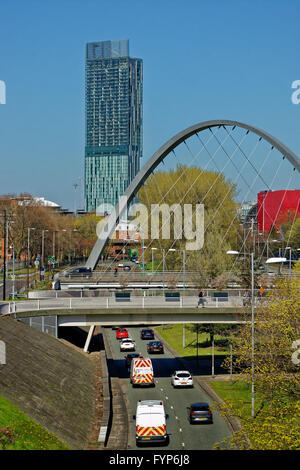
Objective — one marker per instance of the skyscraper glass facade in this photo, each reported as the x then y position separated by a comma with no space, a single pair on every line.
114,83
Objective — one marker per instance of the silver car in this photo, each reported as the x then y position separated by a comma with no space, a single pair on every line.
182,378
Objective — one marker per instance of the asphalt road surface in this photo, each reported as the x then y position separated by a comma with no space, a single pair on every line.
182,435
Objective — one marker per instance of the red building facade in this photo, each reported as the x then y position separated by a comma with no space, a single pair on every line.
277,207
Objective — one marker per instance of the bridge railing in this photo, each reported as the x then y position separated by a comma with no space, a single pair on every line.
85,292
111,302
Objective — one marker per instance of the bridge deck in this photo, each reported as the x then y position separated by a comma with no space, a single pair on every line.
138,310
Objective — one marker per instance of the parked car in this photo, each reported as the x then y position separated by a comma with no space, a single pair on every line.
79,272
147,333
200,413
122,333
129,358
127,344
155,347
182,378
127,268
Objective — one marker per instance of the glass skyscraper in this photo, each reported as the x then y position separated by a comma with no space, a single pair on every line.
114,85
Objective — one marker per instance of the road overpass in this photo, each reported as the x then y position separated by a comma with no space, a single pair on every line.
107,311
49,314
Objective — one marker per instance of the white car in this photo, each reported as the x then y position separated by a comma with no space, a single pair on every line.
182,378
127,344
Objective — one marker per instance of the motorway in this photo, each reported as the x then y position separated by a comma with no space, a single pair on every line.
182,435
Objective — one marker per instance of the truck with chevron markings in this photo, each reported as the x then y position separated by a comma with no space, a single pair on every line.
141,372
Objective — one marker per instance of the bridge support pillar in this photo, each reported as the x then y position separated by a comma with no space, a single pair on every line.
89,337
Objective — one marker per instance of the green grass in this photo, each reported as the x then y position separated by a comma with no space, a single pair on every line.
173,335
28,435
239,394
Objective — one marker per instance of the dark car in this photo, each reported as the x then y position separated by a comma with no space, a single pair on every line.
155,347
147,334
129,358
80,272
200,413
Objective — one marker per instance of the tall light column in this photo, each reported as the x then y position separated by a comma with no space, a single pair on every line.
163,250
252,339
28,254
43,247
252,332
152,260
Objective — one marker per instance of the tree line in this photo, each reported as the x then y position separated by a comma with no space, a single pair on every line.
65,237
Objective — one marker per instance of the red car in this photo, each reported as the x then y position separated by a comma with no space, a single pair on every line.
122,333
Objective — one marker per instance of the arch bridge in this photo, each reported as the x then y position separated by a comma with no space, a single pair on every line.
171,145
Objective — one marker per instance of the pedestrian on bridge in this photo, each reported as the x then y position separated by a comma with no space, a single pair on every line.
201,299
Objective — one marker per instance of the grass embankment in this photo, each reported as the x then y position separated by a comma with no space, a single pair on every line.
28,435
237,393
49,382
276,425
173,334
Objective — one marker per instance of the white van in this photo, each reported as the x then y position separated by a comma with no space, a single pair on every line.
141,372
150,422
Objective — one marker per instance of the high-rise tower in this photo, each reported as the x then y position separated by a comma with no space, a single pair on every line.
114,84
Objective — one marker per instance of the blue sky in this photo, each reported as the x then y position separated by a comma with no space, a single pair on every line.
202,60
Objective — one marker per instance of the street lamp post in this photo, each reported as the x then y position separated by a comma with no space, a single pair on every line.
252,333
290,259
183,271
43,246
13,275
143,254
163,271
4,254
28,254
252,339
152,260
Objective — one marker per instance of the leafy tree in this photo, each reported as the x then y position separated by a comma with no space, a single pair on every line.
214,329
194,186
87,235
277,327
292,233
